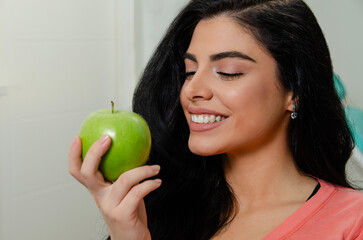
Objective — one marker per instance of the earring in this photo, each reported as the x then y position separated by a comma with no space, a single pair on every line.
294,113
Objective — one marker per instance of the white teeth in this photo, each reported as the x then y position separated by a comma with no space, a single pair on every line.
206,118
212,118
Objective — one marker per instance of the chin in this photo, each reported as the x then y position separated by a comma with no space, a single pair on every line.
201,150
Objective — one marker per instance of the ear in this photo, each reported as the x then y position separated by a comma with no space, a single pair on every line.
291,101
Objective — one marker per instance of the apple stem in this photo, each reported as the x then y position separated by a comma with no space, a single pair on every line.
112,104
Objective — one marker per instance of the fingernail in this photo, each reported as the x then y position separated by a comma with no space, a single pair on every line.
155,168
104,139
74,140
157,181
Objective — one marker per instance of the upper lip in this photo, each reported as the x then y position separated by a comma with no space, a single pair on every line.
195,110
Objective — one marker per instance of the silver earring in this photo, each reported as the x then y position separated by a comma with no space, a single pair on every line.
294,113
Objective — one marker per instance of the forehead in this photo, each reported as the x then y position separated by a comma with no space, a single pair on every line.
221,34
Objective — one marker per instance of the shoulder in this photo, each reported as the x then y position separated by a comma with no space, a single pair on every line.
334,212
348,197
341,205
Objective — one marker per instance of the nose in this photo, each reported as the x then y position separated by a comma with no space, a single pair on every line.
198,87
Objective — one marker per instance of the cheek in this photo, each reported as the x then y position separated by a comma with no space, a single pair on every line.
247,99
182,96
183,99
255,106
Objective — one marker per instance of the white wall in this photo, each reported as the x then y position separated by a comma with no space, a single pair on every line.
152,19
59,61
342,23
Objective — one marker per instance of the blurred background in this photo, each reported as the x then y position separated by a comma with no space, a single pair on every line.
63,59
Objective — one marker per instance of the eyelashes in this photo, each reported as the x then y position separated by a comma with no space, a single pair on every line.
222,75
229,76
188,75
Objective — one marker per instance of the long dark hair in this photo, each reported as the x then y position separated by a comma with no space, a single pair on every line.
195,201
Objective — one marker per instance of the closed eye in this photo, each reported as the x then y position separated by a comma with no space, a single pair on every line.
229,75
188,75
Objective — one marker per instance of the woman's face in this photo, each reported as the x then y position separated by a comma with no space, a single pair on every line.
231,96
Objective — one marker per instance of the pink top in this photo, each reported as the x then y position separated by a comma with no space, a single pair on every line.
332,213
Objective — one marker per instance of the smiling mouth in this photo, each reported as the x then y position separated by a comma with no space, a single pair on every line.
207,118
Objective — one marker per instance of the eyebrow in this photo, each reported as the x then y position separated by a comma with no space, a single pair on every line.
222,55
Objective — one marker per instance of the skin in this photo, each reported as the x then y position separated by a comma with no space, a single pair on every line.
121,203
258,167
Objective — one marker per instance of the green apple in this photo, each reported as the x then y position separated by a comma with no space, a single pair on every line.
130,140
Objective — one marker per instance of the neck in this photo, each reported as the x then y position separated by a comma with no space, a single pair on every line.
266,175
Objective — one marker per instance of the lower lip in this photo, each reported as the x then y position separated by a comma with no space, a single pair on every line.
201,127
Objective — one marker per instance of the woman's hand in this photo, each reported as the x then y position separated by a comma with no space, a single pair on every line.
121,203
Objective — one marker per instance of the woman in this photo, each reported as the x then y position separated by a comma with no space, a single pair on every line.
250,139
